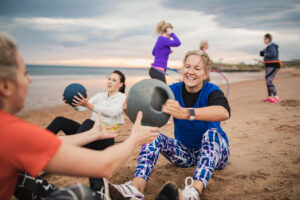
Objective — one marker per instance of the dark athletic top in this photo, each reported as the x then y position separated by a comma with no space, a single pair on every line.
190,132
215,98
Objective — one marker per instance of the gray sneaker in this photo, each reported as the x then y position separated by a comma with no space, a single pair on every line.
129,191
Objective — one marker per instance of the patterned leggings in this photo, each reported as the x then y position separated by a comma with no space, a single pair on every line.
213,154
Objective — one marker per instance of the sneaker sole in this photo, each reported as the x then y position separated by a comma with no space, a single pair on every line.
115,194
169,192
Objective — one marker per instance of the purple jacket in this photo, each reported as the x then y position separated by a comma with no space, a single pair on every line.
162,49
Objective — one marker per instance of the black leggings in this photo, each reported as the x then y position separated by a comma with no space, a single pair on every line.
155,74
70,127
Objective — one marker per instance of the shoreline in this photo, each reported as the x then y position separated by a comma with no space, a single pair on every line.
263,137
32,105
46,92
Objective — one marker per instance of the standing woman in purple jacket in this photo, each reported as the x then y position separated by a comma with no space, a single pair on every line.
162,49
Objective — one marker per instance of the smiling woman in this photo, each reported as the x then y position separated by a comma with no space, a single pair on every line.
197,110
196,70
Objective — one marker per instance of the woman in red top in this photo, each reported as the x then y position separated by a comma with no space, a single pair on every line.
28,148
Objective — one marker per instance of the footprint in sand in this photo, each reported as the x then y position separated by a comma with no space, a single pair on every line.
290,103
288,128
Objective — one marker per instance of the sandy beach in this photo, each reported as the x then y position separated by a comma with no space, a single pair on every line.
264,142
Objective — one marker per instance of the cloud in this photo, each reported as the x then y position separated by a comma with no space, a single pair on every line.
125,30
55,8
255,14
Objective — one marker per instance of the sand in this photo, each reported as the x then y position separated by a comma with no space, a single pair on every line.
264,143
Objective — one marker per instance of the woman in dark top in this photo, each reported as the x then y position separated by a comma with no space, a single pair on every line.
271,60
197,110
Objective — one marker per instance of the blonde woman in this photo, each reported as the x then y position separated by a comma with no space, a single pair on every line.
162,50
200,141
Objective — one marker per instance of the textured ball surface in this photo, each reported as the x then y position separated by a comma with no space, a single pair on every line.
149,96
72,90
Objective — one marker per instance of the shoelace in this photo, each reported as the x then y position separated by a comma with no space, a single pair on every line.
186,181
101,193
189,190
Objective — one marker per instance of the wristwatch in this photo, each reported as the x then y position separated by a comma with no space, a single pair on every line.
192,114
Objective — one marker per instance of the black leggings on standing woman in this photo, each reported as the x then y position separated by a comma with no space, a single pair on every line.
156,74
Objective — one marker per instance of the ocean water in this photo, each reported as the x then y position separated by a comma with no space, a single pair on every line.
48,71
49,82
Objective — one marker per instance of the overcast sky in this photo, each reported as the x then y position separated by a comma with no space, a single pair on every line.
122,33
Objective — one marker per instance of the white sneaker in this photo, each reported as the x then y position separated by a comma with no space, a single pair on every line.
128,190
105,190
189,192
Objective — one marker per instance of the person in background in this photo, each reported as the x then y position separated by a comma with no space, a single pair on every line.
197,110
162,50
27,149
204,45
272,63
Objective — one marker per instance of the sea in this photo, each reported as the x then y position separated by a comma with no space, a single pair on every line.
49,82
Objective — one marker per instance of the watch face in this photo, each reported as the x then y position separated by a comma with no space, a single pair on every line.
192,112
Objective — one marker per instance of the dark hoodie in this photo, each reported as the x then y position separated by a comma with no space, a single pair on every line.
271,52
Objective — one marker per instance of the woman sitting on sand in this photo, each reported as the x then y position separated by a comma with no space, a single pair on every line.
28,148
108,103
162,49
197,110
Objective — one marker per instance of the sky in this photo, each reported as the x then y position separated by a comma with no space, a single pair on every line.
121,33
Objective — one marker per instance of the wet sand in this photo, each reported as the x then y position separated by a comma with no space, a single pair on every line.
264,143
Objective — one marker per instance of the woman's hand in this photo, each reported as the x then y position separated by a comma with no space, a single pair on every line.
143,134
101,132
82,101
173,108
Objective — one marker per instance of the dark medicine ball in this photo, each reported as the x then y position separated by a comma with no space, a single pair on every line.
72,90
149,96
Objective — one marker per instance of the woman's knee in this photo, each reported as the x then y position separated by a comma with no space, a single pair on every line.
59,119
269,82
212,135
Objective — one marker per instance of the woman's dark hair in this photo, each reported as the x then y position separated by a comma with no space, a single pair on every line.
269,36
122,80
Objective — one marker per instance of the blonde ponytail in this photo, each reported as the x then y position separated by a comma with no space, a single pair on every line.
162,26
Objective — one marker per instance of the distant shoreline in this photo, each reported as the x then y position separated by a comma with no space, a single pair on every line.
217,66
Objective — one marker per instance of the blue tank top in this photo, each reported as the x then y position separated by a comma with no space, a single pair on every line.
189,132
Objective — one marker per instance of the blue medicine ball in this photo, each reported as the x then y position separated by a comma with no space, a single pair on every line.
72,90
